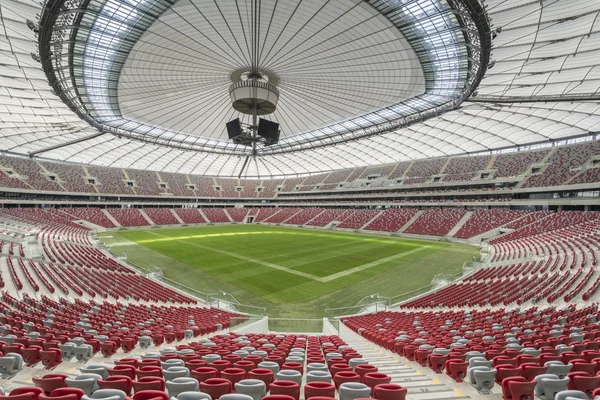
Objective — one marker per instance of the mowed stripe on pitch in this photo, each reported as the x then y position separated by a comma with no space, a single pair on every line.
278,267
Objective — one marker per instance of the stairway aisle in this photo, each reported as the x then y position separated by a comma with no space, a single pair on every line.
421,385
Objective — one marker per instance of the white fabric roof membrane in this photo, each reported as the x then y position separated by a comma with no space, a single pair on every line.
330,60
546,50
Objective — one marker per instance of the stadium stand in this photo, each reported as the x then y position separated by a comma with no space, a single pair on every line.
357,219
161,216
391,220
304,216
128,216
283,215
146,182
177,184
190,215
30,173
485,220
562,164
436,221
215,215
71,177
237,214
110,180
90,214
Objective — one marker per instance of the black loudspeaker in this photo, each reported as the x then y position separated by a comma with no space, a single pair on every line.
269,130
234,128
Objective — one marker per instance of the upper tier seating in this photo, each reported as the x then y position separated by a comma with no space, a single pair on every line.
465,168
177,184
572,164
30,173
513,164
128,216
110,180
72,177
249,188
400,169
161,216
391,220
204,186
228,187
436,221
485,220
426,168
380,170
269,188
146,182
562,162
190,215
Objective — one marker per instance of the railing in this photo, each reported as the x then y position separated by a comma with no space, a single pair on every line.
229,302
293,325
378,304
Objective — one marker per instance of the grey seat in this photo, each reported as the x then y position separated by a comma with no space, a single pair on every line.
83,352
9,340
11,363
318,376
211,357
86,382
77,340
561,370
68,350
548,385
297,354
252,387
480,362
181,385
167,350
289,375
151,355
570,395
173,362
261,353
294,359
316,367
95,369
235,396
106,394
483,379
270,365
145,342
474,354
175,372
331,355
353,390
353,362
241,353
194,396
101,338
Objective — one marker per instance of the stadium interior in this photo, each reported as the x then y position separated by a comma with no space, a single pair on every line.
299,199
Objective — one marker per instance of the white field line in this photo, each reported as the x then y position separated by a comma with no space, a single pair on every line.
293,271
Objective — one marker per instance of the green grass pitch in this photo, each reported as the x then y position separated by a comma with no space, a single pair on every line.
293,272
